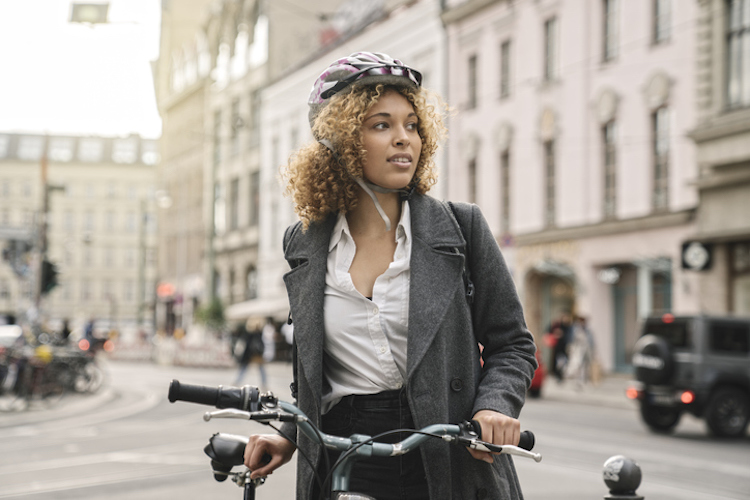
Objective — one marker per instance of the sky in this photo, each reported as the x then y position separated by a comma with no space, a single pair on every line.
59,77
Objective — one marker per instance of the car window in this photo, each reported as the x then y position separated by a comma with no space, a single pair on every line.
675,332
729,338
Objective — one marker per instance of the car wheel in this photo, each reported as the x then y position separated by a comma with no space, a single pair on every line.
661,419
728,413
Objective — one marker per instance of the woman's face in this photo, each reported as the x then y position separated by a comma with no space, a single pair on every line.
392,142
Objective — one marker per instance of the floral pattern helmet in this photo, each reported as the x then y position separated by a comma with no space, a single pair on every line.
369,68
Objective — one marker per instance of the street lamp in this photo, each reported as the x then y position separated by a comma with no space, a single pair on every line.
163,200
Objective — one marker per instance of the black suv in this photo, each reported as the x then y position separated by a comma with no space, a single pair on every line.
696,364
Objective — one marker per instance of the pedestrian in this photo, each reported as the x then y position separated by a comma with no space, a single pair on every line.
561,332
580,353
269,340
249,349
386,328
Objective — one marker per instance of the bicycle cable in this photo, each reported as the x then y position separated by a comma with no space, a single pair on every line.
354,448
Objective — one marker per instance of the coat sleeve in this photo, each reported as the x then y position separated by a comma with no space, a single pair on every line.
289,429
499,325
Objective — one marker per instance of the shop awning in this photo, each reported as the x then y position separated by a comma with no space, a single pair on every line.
278,308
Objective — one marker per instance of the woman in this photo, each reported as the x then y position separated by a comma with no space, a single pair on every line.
385,335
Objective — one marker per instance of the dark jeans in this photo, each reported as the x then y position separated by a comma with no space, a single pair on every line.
384,478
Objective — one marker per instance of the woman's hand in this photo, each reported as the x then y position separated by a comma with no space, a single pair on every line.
497,429
265,453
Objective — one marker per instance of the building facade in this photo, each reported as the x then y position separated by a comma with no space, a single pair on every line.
101,227
722,139
409,31
571,134
182,83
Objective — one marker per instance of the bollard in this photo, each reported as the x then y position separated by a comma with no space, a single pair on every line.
622,476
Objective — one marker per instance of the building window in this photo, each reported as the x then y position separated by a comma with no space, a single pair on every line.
130,222
254,138
472,171
550,49
85,289
505,69
236,127
129,257
127,291
251,283
609,149
217,137
549,183
738,53
740,275
111,222
254,198
107,290
88,221
662,20
505,192
109,259
231,286
660,133
472,75
150,153
234,201
30,148
610,29
4,145
125,150
90,150
61,149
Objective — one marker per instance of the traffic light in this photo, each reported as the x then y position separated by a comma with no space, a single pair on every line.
49,276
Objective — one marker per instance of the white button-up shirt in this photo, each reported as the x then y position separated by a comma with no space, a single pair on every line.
365,344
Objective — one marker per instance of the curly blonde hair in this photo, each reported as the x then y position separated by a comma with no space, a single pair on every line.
320,183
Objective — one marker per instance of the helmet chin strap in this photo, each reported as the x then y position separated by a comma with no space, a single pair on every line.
368,187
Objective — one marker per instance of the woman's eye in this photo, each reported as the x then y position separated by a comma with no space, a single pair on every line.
411,126
381,126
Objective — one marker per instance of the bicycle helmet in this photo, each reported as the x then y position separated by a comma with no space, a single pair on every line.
369,68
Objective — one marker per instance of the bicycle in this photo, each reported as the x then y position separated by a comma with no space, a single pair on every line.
248,403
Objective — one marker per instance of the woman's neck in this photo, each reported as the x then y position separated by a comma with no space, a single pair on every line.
365,219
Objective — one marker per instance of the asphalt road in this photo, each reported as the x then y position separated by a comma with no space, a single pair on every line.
129,442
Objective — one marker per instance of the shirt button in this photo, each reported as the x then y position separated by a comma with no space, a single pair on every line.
374,310
382,349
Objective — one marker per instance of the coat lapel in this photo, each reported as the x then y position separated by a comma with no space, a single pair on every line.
306,288
435,268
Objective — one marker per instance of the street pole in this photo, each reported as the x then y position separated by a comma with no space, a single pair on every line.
141,262
42,234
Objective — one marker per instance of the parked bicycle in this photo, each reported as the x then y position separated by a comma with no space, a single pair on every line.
247,403
42,369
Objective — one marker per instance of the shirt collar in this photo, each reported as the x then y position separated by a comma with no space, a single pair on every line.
342,227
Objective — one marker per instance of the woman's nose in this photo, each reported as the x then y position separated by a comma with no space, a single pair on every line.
401,137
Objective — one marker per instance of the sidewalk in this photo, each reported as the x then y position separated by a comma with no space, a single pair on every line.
610,391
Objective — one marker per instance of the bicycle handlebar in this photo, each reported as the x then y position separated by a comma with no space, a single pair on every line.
241,398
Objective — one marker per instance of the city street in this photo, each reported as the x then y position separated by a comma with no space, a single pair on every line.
129,442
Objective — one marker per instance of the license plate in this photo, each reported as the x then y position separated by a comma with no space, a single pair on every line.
662,399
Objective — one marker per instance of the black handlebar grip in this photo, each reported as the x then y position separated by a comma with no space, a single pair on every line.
526,441
241,398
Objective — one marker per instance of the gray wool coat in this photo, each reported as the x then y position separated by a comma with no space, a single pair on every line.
445,380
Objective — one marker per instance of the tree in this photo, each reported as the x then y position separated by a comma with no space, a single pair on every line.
211,315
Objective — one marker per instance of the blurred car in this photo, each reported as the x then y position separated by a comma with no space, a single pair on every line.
536,383
695,364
